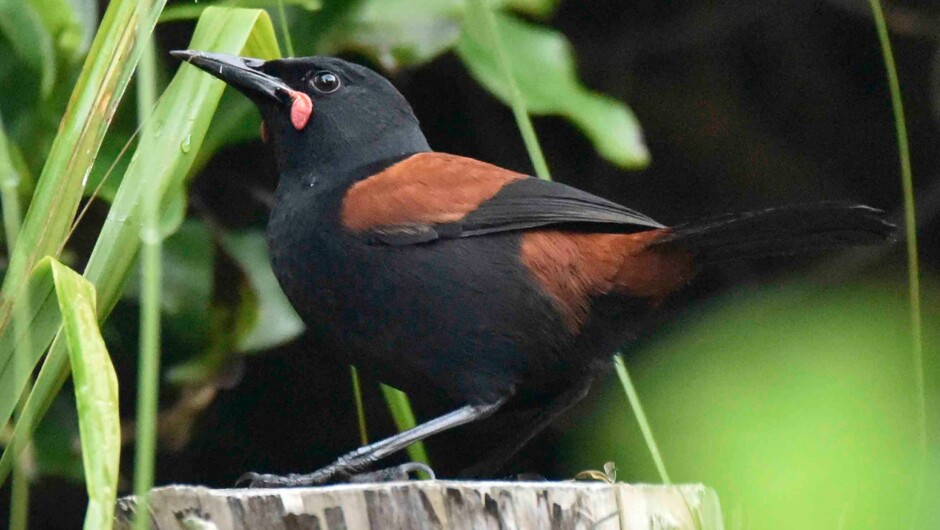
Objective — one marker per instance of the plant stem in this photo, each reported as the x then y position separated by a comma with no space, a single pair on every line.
360,409
913,262
634,398
523,121
910,220
531,140
149,363
282,15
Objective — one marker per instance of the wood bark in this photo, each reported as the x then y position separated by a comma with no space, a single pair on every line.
433,505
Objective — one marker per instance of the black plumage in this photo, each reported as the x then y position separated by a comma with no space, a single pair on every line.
440,274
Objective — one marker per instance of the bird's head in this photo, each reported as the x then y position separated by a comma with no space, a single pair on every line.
324,116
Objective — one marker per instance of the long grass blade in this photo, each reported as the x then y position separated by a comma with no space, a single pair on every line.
360,408
96,395
910,220
404,418
95,98
12,217
185,111
913,262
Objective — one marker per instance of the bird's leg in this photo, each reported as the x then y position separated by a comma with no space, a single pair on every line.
547,414
391,474
351,463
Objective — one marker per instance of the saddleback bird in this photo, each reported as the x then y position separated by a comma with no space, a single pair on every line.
439,273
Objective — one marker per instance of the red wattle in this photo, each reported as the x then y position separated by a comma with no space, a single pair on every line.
300,109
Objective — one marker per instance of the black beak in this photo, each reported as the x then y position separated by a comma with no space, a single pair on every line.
242,73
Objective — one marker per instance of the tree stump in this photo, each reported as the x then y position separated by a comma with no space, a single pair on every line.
433,505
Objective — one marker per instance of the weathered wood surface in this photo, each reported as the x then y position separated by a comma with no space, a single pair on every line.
433,505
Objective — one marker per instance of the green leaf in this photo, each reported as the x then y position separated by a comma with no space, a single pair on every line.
23,28
22,344
95,380
71,23
404,418
96,394
537,8
185,111
543,65
193,11
403,32
276,322
397,32
94,100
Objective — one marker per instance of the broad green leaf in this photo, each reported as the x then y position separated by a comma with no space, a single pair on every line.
397,32
94,100
193,11
236,121
184,111
96,394
403,32
543,65
276,322
538,8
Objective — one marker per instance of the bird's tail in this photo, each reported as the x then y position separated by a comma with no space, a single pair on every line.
779,231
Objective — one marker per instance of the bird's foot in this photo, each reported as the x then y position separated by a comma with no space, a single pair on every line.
393,474
334,474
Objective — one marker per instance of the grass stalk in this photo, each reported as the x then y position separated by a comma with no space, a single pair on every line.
637,407
523,121
360,408
910,221
531,140
913,261
149,364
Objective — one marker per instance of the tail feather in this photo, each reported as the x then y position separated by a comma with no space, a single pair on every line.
779,231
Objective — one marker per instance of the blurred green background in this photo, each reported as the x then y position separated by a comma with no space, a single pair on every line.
786,384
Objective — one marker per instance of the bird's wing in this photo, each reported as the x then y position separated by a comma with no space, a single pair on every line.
431,196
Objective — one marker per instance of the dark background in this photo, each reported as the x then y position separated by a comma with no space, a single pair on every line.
743,105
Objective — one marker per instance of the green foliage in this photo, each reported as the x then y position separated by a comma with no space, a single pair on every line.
98,91
182,117
96,394
403,32
95,381
543,65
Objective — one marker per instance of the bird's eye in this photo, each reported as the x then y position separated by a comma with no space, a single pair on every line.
326,82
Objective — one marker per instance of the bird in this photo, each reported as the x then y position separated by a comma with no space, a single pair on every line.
439,274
